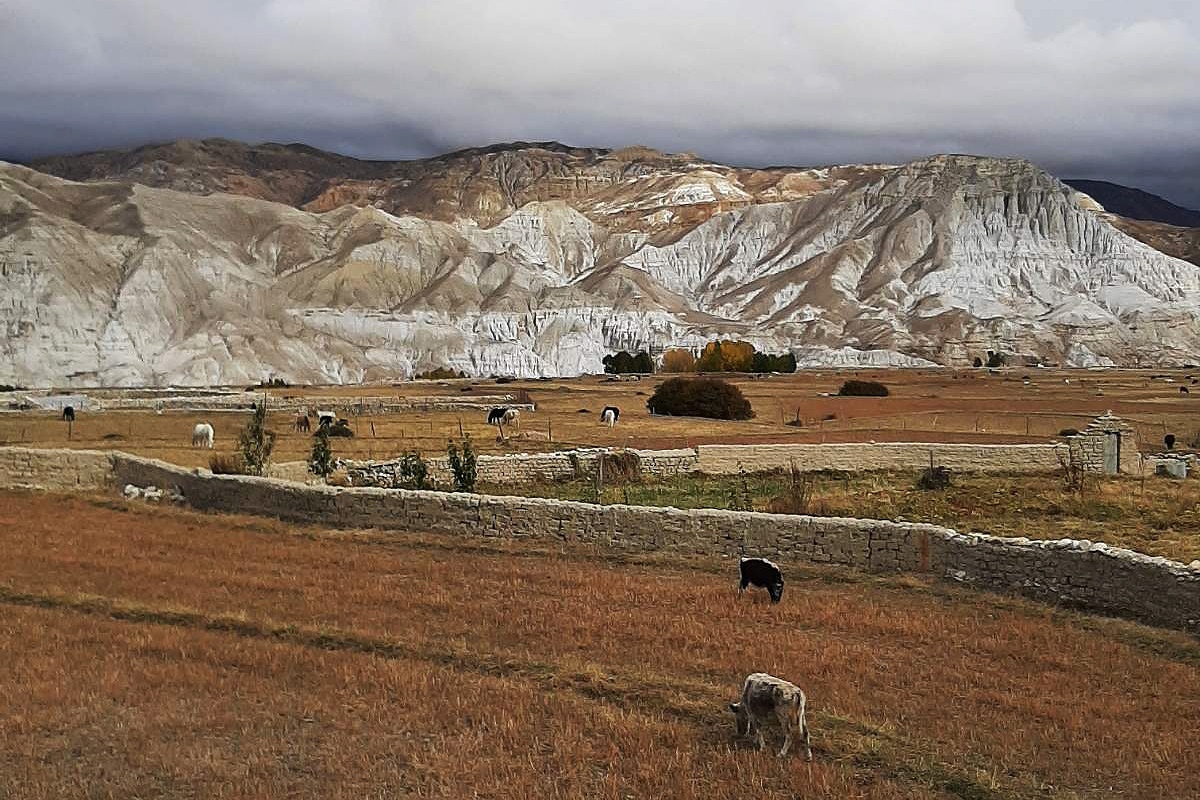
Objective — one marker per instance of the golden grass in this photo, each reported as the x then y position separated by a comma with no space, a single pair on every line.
167,653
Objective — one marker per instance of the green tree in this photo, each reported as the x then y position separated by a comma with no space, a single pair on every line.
414,472
462,464
320,460
643,363
255,442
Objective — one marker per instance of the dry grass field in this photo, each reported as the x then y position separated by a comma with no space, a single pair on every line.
925,405
153,652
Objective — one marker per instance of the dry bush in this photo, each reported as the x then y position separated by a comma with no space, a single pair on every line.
619,467
856,388
797,498
222,464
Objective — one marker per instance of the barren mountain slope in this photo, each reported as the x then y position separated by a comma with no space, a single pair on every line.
538,260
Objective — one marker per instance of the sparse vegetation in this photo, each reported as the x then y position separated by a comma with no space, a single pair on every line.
439,374
222,464
700,397
856,388
320,460
462,464
413,472
255,442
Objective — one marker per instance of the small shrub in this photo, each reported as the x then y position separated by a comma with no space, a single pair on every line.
700,397
933,479
255,442
340,428
1069,432
505,379
221,464
320,460
622,467
413,472
739,494
462,465
797,497
854,388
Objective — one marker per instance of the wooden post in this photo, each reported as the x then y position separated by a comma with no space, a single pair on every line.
460,427
70,428
372,430
549,431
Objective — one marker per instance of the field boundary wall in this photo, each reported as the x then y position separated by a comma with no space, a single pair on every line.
1073,573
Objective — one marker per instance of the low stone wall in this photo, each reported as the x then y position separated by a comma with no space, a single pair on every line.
55,470
721,459
523,467
1074,573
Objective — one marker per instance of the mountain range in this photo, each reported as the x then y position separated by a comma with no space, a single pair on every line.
214,262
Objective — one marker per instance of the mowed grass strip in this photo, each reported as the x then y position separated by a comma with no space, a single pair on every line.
982,694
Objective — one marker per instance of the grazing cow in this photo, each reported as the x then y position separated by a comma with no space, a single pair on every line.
302,423
765,696
1184,390
68,413
202,435
503,415
761,573
610,415
325,418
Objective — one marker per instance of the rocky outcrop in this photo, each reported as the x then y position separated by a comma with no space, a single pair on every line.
539,259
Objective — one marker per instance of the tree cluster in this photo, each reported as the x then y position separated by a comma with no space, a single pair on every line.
700,397
728,356
623,362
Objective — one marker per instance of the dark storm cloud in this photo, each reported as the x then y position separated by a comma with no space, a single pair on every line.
1087,88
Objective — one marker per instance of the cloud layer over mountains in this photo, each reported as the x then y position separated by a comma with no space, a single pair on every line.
1103,89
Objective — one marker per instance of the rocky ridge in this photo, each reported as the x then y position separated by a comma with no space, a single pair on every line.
217,263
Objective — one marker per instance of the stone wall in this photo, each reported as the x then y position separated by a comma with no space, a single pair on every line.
721,459
55,470
1074,573
523,467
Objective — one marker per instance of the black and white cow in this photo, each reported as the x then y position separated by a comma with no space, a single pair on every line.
503,415
761,573
610,415
765,697
325,418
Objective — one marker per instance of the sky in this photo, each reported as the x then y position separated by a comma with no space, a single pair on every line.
1105,89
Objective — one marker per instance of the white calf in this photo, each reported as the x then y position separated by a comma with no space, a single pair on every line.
765,696
202,435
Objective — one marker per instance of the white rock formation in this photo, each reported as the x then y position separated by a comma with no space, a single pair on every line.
937,261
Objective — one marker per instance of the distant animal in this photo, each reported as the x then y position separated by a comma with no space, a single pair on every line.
503,415
765,697
1184,390
68,413
302,423
761,573
325,418
610,415
202,435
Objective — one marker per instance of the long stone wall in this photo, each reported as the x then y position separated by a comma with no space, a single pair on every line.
339,404
1074,573
721,459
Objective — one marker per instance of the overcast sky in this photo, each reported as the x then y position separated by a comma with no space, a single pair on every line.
1104,89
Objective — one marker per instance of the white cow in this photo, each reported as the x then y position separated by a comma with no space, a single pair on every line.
202,435
610,415
765,696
